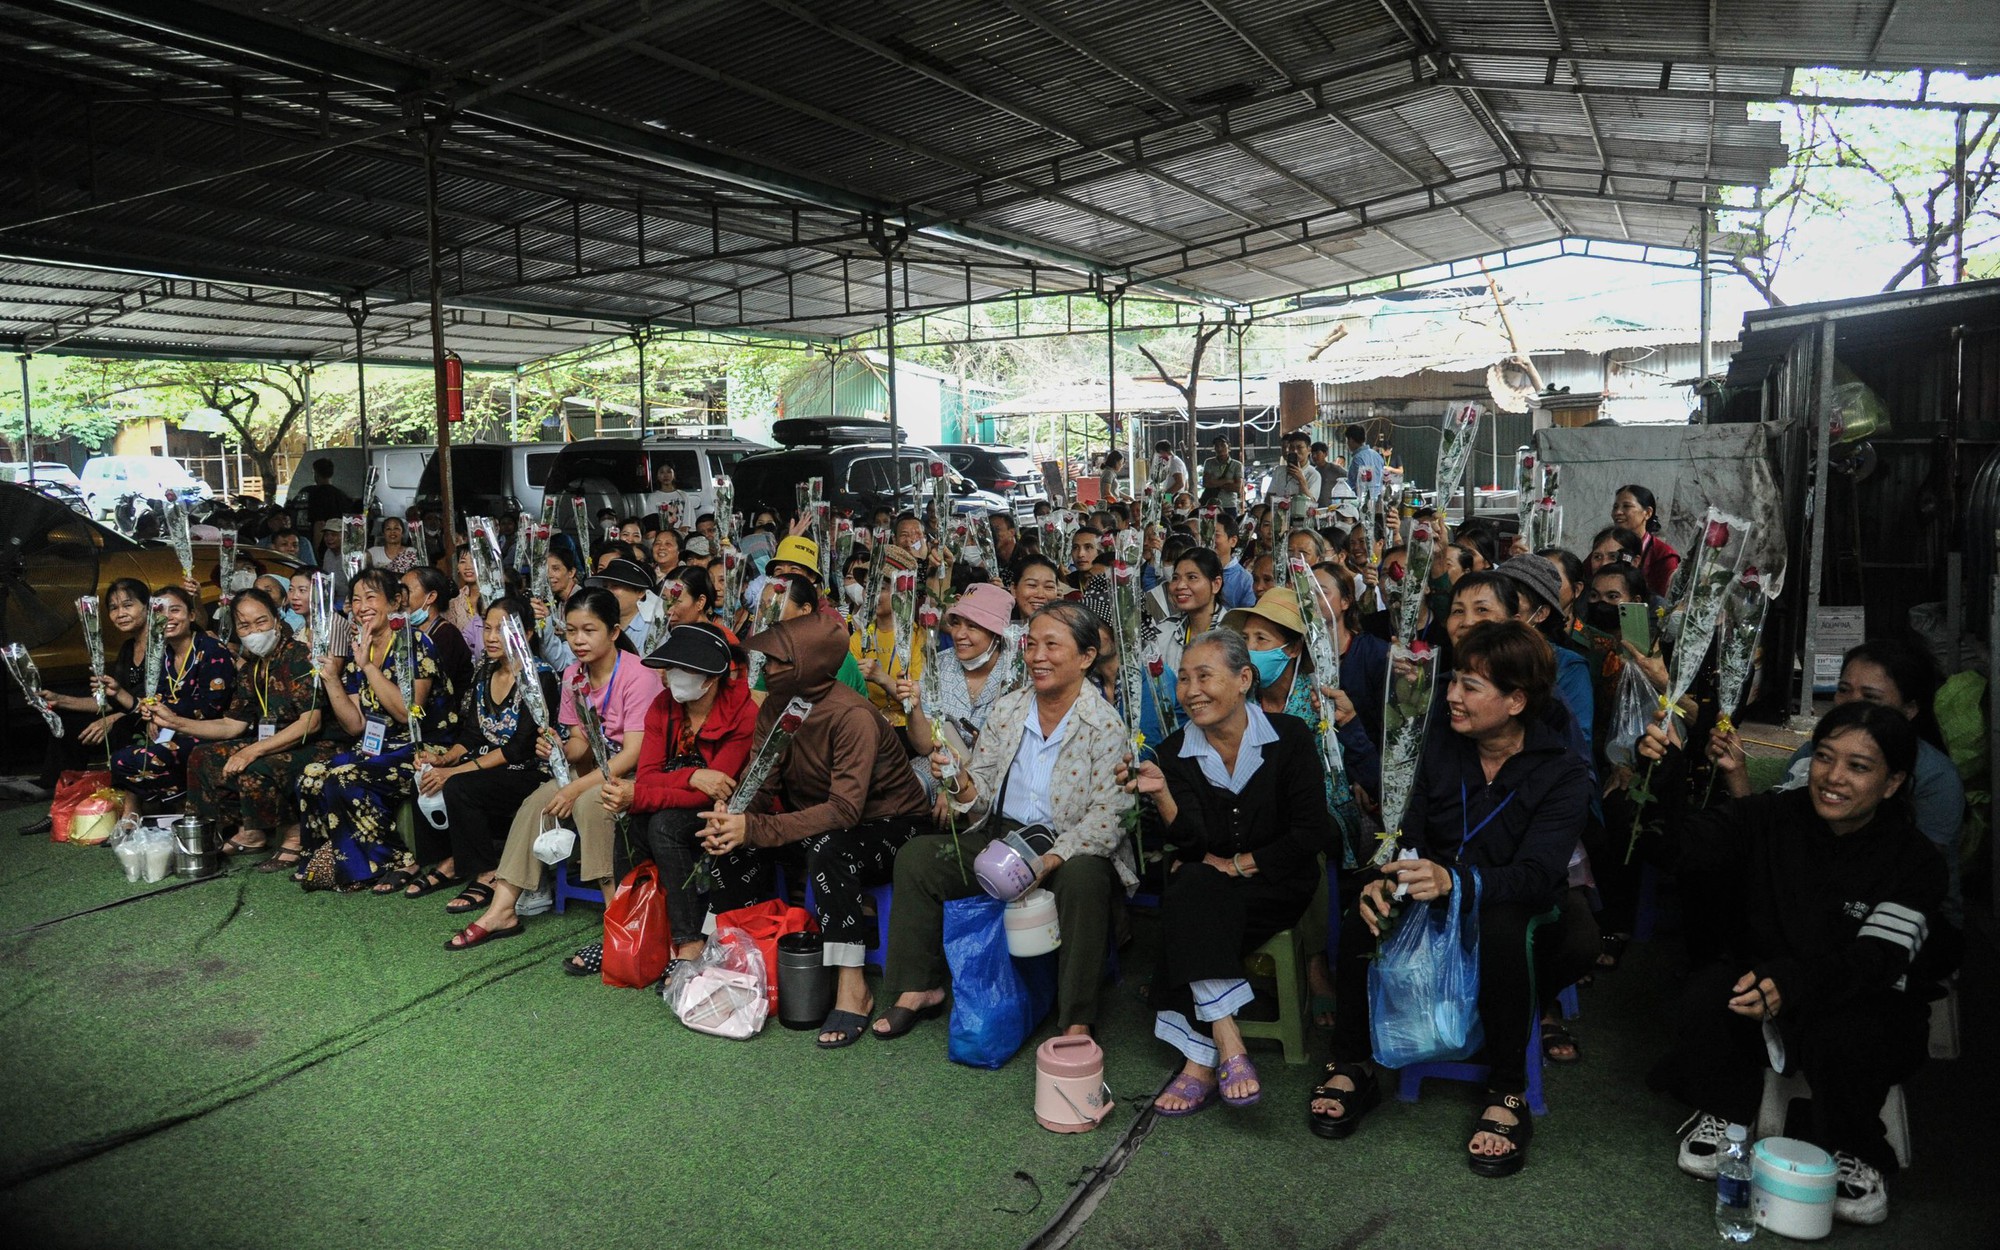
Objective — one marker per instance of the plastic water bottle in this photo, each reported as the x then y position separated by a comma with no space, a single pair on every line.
1734,1220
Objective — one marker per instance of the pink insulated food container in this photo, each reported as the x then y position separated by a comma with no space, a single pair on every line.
1070,1093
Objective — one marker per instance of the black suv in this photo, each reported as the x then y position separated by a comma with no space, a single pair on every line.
1009,472
856,463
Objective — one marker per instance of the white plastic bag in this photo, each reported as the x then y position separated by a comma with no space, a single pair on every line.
554,843
726,992
1638,699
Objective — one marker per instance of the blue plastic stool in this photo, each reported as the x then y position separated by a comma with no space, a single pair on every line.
564,891
1410,1080
878,951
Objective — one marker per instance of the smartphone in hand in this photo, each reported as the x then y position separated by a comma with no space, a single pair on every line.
1635,624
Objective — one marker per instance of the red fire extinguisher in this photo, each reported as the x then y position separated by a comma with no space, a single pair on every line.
454,387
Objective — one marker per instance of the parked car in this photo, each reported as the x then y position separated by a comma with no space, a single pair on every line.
52,478
618,473
399,471
859,470
1009,472
49,556
108,479
492,479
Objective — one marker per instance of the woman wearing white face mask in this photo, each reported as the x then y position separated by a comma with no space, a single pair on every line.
697,740
245,771
975,670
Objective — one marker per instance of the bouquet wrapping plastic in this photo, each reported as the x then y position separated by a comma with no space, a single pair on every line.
1742,625
1406,715
1130,633
93,640
903,608
354,543
1527,491
320,621
175,517
156,646
406,672
29,678
529,691
762,761
1461,435
1418,551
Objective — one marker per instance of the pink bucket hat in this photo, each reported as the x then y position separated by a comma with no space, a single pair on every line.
985,605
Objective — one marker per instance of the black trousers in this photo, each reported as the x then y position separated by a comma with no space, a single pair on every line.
1209,920
841,864
481,807
671,839
1505,1010
1850,1055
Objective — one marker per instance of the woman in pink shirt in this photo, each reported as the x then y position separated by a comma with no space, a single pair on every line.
1635,509
609,674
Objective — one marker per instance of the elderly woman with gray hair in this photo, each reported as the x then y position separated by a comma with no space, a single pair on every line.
1048,756
1242,795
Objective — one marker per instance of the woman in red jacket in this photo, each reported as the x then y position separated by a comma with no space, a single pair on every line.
1634,508
697,741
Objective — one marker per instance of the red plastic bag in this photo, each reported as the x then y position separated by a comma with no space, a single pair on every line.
765,923
73,788
637,939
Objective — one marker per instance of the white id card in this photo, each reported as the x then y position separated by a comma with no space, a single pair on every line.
163,736
372,735
265,728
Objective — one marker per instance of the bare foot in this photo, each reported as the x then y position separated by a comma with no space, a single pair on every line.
1173,1100
1492,1145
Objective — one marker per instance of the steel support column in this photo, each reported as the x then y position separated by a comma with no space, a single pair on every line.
27,420
357,313
1707,312
888,251
639,340
1816,524
433,139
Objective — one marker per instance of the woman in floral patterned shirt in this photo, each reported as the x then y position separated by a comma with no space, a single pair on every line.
196,675
348,803
245,773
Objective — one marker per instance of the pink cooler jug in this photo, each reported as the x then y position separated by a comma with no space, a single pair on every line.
1070,1093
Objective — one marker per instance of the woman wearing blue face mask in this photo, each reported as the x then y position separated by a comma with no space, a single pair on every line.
426,594
1275,634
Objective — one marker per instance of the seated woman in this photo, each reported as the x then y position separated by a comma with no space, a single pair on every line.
850,799
975,672
873,643
1037,584
1830,896
124,613
609,674
1503,795
1903,677
692,597
1242,796
697,742
487,772
196,676
1275,634
348,802
395,555
245,771
551,636
799,597
1047,756
425,595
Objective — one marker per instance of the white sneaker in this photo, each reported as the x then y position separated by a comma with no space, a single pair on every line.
535,902
1860,1194
1701,1149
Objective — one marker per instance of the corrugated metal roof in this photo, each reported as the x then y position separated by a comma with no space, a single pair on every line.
730,163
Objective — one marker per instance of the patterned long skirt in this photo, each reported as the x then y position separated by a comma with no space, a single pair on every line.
151,770
347,816
260,796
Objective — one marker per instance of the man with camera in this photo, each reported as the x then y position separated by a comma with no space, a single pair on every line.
1295,486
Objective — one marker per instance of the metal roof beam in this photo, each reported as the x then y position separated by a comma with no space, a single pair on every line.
190,23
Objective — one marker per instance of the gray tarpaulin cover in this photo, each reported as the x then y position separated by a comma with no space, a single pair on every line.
1689,468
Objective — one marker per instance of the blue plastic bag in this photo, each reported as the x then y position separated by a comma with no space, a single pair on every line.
997,1001
1423,986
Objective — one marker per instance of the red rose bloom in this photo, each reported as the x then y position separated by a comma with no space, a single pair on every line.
1717,534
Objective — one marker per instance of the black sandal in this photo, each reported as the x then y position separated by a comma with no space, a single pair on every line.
279,862
473,897
430,883
1518,1135
1611,951
1556,1034
1354,1103
593,961
392,883
902,1019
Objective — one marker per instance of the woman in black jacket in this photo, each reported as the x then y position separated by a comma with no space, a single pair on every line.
1500,795
489,772
1242,796
1826,895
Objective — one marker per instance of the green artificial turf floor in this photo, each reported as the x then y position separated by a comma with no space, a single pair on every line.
237,1064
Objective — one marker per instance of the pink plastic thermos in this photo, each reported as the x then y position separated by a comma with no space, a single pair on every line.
1070,1093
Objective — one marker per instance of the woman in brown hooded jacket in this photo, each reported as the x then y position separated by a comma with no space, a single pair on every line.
851,800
